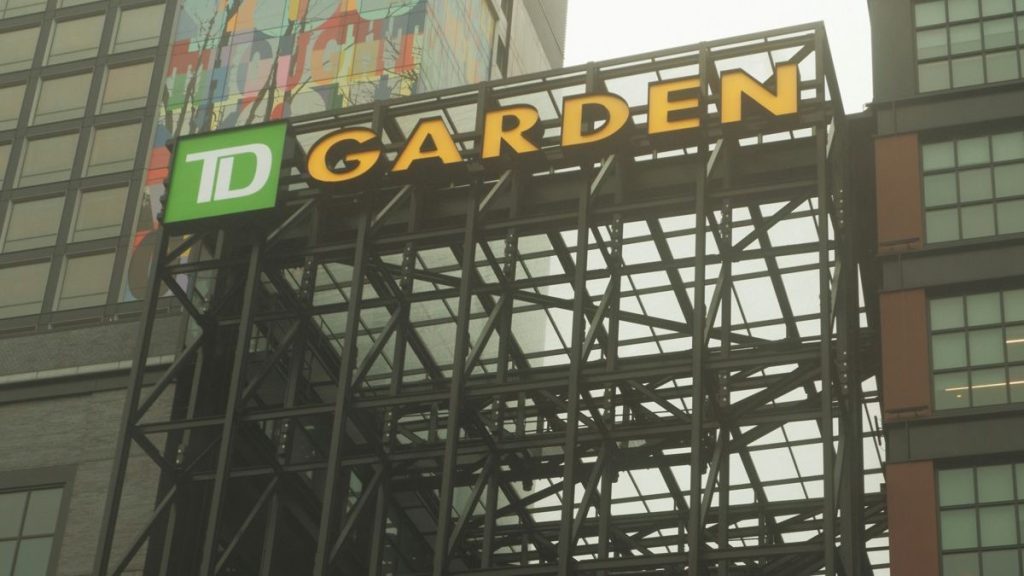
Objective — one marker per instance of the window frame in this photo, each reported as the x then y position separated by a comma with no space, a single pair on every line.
41,479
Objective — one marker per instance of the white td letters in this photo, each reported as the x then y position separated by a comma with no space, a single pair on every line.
218,165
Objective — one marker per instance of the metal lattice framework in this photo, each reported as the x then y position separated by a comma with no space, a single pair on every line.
588,367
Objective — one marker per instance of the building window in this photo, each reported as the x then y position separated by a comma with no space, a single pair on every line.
5,154
974,187
126,87
32,224
62,98
85,281
99,214
23,289
48,159
12,8
113,149
978,349
11,98
981,520
139,28
75,39
28,525
17,48
968,42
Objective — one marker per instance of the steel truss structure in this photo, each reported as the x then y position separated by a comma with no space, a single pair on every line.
650,362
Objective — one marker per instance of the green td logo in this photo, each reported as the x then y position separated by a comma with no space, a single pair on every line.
225,173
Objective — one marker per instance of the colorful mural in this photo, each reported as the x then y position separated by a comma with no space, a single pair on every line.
238,62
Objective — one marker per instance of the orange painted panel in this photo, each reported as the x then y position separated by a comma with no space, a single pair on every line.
913,519
898,189
906,378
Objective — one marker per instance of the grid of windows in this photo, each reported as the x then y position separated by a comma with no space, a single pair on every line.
81,71
28,525
981,520
977,346
973,187
968,42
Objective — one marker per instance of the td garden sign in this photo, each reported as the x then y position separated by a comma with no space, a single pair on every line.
237,171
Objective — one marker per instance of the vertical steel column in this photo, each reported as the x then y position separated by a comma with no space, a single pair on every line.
459,377
349,359
131,403
231,409
724,398
694,540
576,362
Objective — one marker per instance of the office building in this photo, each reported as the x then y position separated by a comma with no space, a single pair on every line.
90,94
949,114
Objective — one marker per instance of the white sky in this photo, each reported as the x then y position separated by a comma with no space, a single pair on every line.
601,29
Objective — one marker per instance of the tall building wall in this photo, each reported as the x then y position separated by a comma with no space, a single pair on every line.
950,198
90,94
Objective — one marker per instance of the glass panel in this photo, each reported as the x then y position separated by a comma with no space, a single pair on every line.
999,33
1008,146
960,564
5,153
1000,562
952,391
928,13
75,39
43,509
932,43
1013,305
998,526
975,184
32,224
959,529
23,289
940,189
1017,395
965,38
942,225
85,281
962,9
126,87
956,487
972,151
977,221
17,48
1015,343
18,8
1019,474
995,483
983,309
938,156
933,76
1001,66
993,7
6,557
1009,180
948,351
48,159
139,28
33,557
12,508
113,149
947,312
100,213
11,98
968,71
1010,217
62,98
988,387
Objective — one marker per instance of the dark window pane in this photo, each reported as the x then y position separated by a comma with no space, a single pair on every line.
1000,562
975,184
100,213
126,87
12,509
32,224
968,71
988,387
139,28
959,529
986,346
113,149
1001,66
62,98
977,221
33,557
43,509
48,159
960,565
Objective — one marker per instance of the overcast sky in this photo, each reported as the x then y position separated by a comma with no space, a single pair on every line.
600,29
